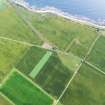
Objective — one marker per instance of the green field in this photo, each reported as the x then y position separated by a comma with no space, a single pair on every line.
22,92
30,59
87,88
12,26
10,53
55,75
97,56
63,33
4,101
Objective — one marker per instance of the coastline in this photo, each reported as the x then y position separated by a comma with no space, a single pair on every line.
58,13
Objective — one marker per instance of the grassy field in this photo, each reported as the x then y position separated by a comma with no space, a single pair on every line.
23,92
70,61
10,53
62,32
87,88
4,101
30,59
54,76
12,26
97,56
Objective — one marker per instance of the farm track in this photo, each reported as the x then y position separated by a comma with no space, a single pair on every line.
76,72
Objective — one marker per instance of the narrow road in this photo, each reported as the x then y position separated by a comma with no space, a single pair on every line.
27,22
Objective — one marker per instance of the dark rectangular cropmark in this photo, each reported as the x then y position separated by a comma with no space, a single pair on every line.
30,59
54,76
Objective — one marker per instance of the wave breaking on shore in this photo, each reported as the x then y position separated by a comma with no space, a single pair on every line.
53,10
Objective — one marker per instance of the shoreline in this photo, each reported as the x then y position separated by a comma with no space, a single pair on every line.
58,13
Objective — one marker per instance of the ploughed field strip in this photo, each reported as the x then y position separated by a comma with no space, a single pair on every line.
40,65
22,92
65,34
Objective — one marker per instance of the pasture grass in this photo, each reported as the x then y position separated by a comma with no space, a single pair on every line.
12,26
10,53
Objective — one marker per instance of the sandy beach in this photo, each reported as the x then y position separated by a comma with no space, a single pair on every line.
59,13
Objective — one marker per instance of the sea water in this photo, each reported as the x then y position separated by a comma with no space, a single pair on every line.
93,10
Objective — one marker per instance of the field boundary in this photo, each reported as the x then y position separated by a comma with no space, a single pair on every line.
40,65
91,47
96,68
3,82
6,98
18,41
69,45
7,77
36,85
30,45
